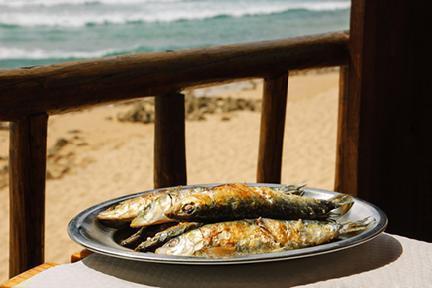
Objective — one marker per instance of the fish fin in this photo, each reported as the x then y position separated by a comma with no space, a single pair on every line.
132,239
356,226
343,204
137,222
293,189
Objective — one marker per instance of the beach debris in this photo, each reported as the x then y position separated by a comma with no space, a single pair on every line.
74,131
62,157
142,112
197,108
58,161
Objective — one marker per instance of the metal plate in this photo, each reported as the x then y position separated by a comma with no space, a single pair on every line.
86,230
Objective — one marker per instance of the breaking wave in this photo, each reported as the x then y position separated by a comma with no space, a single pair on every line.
153,11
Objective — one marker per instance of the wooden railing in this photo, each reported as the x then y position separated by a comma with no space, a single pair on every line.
29,95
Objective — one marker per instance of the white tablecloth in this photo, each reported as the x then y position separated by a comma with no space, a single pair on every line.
387,261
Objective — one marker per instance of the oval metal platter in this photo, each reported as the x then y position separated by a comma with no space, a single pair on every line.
86,230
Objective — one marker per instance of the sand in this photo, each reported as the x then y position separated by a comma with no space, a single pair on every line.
93,157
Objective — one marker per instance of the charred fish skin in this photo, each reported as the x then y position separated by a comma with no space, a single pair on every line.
243,237
239,201
164,236
288,189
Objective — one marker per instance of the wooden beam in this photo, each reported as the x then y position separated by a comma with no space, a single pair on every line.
169,141
65,87
272,128
394,155
27,162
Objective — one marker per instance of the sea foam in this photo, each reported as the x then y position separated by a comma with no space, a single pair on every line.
17,53
151,11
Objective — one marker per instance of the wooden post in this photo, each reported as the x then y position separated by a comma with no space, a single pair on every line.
272,128
347,136
169,141
27,162
390,98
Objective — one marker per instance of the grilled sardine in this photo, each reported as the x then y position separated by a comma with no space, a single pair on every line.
239,201
243,237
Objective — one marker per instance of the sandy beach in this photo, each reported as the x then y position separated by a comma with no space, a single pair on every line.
93,157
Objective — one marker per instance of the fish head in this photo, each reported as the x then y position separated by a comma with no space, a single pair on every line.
188,207
153,212
185,245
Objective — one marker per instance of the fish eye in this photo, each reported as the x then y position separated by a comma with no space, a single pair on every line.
173,242
189,208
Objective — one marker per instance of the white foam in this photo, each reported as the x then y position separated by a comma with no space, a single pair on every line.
17,53
48,3
189,10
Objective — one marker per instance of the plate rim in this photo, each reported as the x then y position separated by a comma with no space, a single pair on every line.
75,226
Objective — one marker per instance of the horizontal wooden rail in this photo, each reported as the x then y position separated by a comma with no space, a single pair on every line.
64,87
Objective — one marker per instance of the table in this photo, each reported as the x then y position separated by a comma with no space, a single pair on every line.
387,261
38,269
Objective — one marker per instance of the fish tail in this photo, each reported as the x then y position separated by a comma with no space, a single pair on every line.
343,204
356,226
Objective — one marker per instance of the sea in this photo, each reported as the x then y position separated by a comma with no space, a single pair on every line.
36,32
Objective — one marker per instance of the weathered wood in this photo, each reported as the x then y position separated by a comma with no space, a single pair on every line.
347,136
65,87
27,162
272,128
169,141
394,155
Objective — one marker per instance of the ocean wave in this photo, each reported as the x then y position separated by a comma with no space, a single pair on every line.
172,13
50,3
18,53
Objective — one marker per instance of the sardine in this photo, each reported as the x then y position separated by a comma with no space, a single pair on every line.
164,236
239,201
155,212
243,237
